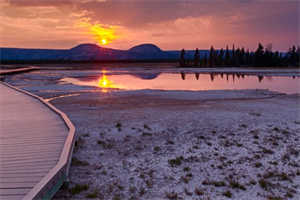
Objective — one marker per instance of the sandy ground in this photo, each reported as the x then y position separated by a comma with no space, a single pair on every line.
184,145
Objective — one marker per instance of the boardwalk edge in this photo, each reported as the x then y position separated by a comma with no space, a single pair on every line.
50,184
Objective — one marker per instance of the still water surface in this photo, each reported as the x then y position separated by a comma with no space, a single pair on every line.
186,81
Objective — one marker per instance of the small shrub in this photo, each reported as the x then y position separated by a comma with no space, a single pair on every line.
243,126
117,197
289,195
142,191
267,151
284,177
198,192
255,137
92,195
264,184
77,162
146,127
171,195
258,164
79,143
285,132
227,194
104,172
118,125
273,162
219,183
105,145
187,192
239,145
215,183
146,134
253,182
185,179
274,198
255,114
78,188
149,183
175,162
132,189
236,185
170,142
156,148
186,169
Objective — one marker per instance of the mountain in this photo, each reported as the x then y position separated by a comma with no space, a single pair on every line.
91,53
145,48
147,76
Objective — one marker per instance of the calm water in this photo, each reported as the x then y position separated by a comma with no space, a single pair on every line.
184,81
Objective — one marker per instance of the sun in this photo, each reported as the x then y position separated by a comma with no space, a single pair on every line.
103,41
104,35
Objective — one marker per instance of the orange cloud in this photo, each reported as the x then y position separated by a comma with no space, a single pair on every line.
101,34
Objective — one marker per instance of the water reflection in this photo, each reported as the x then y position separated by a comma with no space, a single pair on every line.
212,77
233,75
260,78
147,76
190,81
182,75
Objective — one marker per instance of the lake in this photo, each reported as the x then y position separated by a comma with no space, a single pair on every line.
138,80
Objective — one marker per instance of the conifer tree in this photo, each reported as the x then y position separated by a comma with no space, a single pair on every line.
227,56
182,59
233,56
211,56
196,57
258,55
221,57
205,64
242,57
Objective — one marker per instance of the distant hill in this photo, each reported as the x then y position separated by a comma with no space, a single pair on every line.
91,53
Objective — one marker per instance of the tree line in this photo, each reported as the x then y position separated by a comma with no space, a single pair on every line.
262,57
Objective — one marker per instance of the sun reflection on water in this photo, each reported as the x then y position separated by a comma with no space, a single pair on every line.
105,83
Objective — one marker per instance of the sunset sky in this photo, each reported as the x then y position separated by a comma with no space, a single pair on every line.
170,24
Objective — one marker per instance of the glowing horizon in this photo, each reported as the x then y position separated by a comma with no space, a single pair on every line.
170,25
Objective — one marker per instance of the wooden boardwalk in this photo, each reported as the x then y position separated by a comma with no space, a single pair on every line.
17,70
36,143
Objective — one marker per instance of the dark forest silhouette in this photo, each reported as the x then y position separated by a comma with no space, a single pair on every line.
262,57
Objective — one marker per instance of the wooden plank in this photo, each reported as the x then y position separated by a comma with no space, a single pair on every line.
50,163
42,143
12,197
24,174
34,155
29,139
36,171
30,181
27,154
17,148
14,185
18,70
36,143
24,169
31,161
11,192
